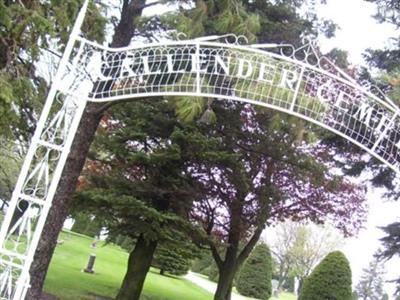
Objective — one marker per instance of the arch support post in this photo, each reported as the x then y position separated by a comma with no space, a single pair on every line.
37,183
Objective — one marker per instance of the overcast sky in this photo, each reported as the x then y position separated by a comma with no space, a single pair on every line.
358,30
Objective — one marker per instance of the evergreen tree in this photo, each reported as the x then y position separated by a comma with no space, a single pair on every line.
387,60
256,274
388,11
370,286
137,183
126,28
127,244
31,29
30,32
331,279
87,224
170,261
391,246
202,263
174,257
385,297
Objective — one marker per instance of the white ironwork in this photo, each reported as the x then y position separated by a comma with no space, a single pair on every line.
39,177
299,82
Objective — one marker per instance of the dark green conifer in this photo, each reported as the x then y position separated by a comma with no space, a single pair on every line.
256,274
331,279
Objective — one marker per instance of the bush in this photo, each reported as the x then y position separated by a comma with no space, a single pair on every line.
201,264
213,274
256,274
171,260
87,225
331,279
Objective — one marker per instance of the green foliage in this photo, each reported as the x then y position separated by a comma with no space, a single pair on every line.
139,189
10,161
331,279
87,225
175,254
128,244
256,274
29,29
136,182
173,260
202,263
391,241
218,16
189,108
213,272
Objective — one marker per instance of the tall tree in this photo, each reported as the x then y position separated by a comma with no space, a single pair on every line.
388,11
250,183
29,29
256,177
391,247
370,286
139,184
298,248
387,60
125,30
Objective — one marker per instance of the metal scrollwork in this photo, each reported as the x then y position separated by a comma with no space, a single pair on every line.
298,81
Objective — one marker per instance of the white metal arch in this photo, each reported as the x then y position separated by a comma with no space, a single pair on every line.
294,81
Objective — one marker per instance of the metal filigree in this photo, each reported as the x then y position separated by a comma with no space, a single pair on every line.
297,81
41,171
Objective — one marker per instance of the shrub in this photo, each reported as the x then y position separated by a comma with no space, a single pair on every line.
213,273
330,280
201,264
256,274
171,260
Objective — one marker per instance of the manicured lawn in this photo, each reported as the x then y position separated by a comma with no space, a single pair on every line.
67,281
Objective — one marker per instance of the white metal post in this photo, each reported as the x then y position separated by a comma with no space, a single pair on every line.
14,272
198,66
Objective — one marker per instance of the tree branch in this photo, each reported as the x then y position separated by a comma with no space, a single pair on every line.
215,254
147,5
250,245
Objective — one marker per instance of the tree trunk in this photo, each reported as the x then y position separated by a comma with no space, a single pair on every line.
138,265
59,209
75,162
225,281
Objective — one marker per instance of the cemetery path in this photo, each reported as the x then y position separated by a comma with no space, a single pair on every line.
208,285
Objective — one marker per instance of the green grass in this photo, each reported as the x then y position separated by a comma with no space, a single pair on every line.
66,280
170,288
